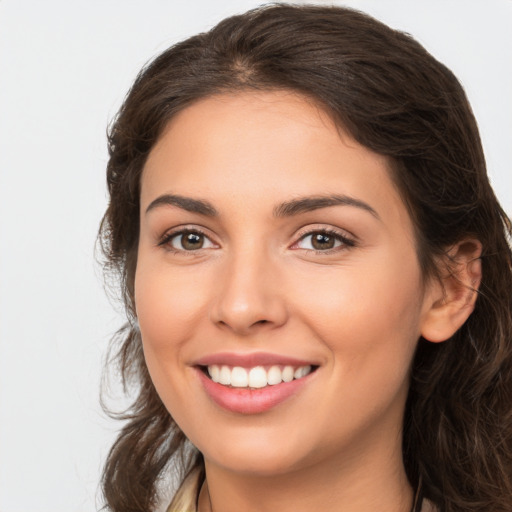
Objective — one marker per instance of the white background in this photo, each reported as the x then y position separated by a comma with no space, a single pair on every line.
64,69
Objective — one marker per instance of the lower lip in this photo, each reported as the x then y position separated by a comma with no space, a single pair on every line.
251,401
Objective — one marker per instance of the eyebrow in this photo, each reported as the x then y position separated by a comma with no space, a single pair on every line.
307,204
286,209
185,203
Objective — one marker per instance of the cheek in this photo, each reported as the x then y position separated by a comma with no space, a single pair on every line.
371,333
167,305
370,318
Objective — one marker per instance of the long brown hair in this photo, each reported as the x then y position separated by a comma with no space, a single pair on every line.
393,97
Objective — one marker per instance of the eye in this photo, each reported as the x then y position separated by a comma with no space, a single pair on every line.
323,240
188,240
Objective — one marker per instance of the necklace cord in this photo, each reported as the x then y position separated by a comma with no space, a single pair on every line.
418,498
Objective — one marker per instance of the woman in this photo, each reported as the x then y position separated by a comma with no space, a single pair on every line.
316,274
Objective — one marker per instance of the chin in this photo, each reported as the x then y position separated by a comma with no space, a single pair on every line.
258,465
257,455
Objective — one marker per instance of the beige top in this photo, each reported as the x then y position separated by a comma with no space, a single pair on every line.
185,499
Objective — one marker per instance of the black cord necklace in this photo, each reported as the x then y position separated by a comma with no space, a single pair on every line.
418,498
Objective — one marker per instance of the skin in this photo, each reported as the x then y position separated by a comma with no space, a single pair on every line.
257,285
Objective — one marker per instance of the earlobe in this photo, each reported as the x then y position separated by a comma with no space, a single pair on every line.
451,299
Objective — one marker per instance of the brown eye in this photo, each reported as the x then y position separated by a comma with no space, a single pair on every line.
323,241
190,241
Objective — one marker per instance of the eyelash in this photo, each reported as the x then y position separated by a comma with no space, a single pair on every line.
166,239
345,242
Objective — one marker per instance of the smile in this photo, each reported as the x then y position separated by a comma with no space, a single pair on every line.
257,377
252,383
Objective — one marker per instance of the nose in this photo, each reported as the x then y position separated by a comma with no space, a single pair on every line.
250,297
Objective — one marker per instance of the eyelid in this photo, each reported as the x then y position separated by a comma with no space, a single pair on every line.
165,239
346,238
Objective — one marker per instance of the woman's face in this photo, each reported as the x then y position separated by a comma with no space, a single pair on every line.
271,244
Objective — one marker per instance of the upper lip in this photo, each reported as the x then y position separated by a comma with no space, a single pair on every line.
251,360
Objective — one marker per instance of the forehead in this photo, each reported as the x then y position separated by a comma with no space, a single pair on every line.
253,147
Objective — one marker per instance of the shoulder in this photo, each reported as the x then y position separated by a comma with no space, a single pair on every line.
428,506
185,499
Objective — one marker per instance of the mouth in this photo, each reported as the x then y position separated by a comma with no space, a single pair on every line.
253,383
256,377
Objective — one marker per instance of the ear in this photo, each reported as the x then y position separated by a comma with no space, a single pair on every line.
451,299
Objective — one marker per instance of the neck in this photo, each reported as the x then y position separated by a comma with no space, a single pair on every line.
361,482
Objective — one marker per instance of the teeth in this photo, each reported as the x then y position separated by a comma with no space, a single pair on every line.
256,377
239,377
301,372
288,374
297,374
225,376
274,375
214,373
